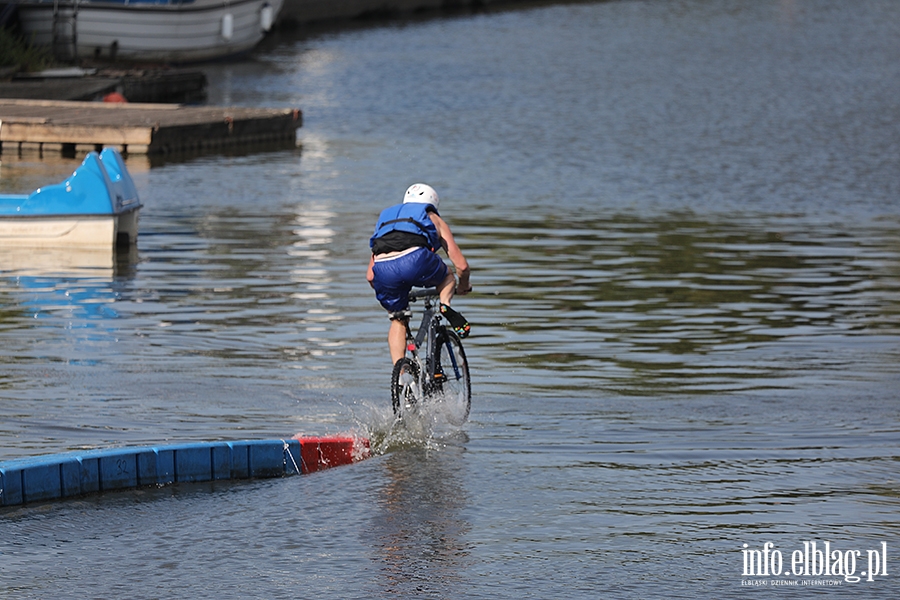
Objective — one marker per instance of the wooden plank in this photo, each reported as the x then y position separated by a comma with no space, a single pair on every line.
72,134
9,120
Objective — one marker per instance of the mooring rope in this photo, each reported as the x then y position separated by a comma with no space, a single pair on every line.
287,448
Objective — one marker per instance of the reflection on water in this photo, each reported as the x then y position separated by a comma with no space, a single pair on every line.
58,261
417,534
81,285
311,277
676,303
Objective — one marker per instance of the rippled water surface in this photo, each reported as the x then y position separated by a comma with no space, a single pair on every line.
683,223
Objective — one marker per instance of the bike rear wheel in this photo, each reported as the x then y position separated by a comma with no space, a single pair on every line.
406,388
452,384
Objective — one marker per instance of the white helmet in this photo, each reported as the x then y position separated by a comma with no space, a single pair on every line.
423,193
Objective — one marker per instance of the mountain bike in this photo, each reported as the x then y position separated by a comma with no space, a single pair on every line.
434,369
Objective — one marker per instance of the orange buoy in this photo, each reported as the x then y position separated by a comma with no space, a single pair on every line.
114,97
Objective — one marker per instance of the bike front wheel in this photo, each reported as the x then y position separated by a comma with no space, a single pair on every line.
452,378
406,388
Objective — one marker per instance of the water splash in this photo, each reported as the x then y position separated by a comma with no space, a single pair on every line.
424,426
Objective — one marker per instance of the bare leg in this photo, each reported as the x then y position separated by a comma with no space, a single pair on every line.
446,288
397,339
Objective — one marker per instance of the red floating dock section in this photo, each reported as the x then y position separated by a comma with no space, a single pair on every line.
317,453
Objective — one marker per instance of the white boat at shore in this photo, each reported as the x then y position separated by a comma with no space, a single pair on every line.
96,207
175,31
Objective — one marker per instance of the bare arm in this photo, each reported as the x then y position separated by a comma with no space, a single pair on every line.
456,256
370,274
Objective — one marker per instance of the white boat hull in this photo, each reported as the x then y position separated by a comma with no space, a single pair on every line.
87,231
187,32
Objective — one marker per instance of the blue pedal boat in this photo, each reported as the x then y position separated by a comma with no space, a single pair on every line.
96,207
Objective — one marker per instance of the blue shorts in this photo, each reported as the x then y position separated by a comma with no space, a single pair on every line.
396,276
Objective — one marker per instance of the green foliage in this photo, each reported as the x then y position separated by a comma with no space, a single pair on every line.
16,51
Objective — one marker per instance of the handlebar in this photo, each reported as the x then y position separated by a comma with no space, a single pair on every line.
422,293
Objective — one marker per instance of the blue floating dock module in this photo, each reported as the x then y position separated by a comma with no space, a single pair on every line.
77,473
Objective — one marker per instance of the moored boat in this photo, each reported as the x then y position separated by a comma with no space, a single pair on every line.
96,207
148,30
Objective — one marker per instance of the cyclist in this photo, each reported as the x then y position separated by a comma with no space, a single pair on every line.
404,255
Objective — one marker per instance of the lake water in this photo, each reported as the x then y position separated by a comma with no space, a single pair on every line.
683,222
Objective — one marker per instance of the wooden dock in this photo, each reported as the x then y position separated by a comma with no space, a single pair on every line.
73,128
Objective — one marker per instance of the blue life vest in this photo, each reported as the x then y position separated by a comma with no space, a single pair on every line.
411,218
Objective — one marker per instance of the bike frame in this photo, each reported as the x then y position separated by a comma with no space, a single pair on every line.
427,333
436,371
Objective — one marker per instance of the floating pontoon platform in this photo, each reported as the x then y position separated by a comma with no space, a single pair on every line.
73,128
72,474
